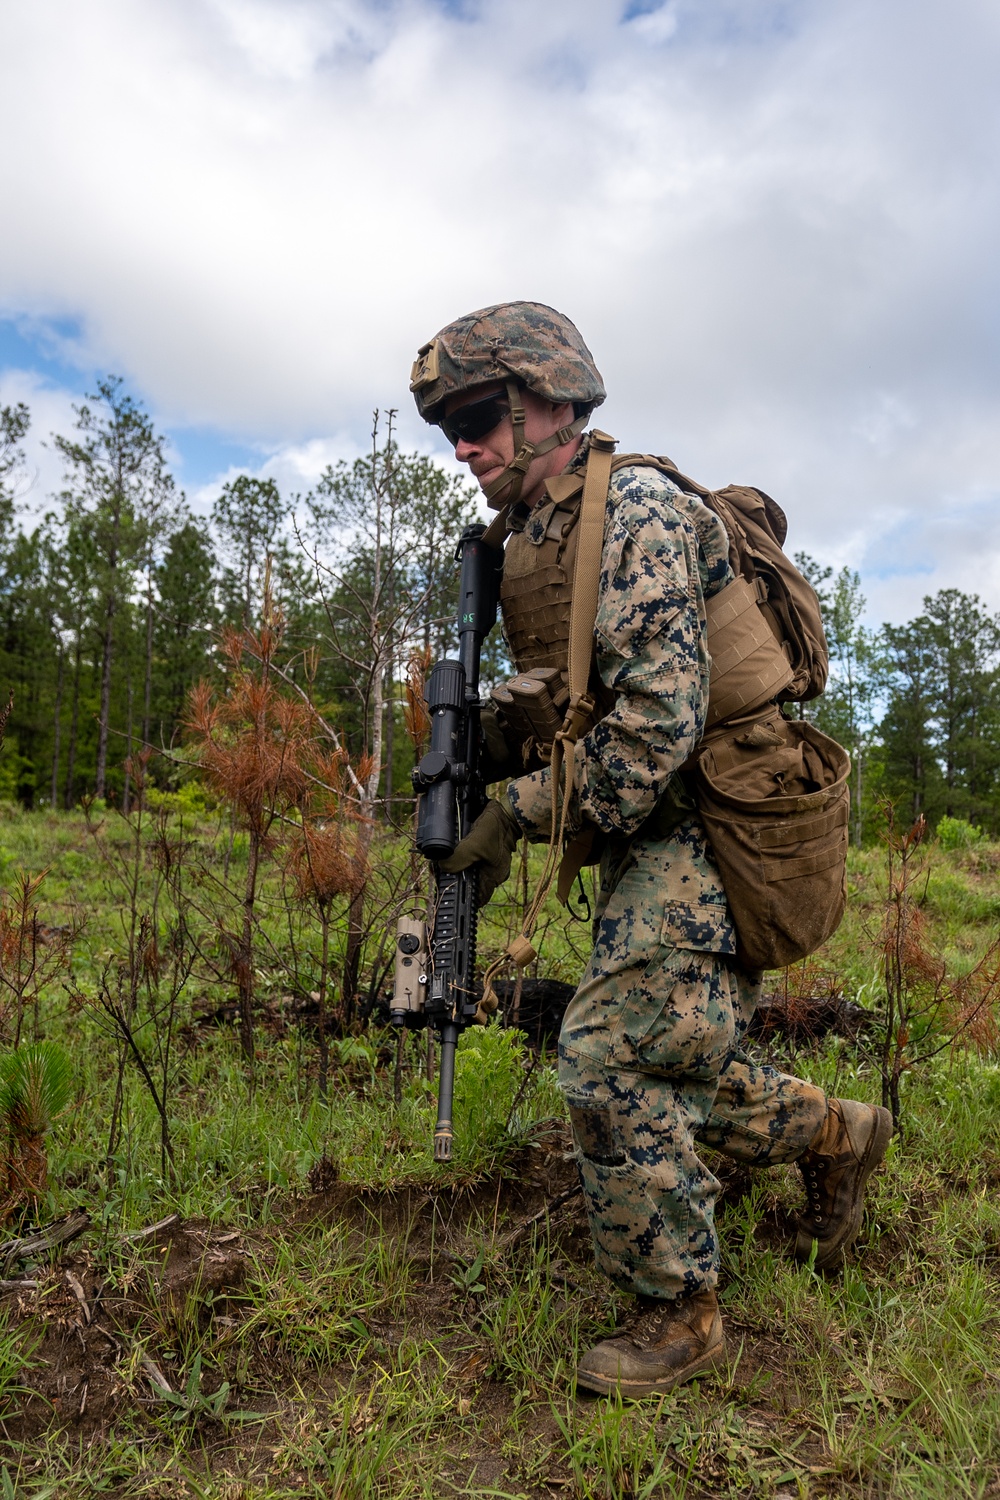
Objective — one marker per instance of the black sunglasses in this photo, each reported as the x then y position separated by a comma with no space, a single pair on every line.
475,419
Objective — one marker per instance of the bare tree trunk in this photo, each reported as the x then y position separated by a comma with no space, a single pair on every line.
73,724
390,736
323,1046
105,709
57,726
366,829
246,582
356,922
369,793
378,717
244,974
127,788
362,849
148,685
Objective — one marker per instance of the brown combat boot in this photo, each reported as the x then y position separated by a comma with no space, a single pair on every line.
660,1345
838,1162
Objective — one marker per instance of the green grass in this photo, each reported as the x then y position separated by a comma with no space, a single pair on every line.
402,1334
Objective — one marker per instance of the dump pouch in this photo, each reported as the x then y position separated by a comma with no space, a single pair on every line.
774,801
541,695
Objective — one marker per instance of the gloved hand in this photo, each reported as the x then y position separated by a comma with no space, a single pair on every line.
495,762
490,842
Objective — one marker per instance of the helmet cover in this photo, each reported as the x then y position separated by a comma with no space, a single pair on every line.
526,341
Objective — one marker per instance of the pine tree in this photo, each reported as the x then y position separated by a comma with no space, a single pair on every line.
14,424
186,616
912,774
247,517
117,477
27,654
964,646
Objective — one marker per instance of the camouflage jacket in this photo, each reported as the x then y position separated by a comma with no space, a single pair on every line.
664,553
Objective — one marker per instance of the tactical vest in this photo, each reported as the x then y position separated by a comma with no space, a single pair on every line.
537,586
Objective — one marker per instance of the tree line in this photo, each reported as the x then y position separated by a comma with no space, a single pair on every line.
916,705
117,602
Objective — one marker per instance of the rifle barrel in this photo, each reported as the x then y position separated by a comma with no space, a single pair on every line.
446,1092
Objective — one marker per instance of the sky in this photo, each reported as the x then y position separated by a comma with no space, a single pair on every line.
774,221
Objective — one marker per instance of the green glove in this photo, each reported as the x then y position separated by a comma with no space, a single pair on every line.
490,843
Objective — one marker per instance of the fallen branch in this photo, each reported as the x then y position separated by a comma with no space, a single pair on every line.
76,1287
151,1229
155,1376
59,1232
511,1238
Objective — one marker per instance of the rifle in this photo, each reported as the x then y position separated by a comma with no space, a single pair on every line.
435,975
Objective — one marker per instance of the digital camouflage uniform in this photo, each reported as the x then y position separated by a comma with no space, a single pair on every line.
650,1053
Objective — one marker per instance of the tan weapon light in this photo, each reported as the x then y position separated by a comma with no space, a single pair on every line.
410,989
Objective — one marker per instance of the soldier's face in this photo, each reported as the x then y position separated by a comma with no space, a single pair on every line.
489,455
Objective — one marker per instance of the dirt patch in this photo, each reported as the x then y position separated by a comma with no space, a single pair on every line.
541,1172
94,1321
88,1321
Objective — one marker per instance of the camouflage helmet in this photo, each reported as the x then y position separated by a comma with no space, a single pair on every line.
521,344
528,341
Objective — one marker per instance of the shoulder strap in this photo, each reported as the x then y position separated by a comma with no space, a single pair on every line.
496,532
587,577
582,617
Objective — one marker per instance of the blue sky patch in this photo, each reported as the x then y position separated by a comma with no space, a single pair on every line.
203,454
641,8
52,348
44,345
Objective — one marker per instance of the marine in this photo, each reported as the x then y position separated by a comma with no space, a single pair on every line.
652,1061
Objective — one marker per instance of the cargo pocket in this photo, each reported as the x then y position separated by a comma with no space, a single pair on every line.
594,1133
678,1022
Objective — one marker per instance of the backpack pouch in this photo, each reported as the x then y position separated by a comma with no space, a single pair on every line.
774,800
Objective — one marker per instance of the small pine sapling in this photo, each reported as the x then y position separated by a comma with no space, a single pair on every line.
36,1084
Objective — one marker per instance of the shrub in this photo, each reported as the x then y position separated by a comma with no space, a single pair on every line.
957,833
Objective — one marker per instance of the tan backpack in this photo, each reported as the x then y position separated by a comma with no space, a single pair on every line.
771,791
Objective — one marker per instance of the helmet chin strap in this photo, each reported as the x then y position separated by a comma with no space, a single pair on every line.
512,478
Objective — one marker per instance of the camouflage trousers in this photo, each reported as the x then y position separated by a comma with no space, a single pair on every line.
651,1065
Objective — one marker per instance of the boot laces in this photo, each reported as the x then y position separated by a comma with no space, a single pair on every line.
643,1325
816,1171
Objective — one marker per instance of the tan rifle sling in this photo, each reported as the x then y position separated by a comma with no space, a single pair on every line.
583,613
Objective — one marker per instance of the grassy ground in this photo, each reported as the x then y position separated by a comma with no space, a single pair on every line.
330,1314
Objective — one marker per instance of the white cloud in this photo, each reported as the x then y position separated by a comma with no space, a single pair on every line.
659,25
775,224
